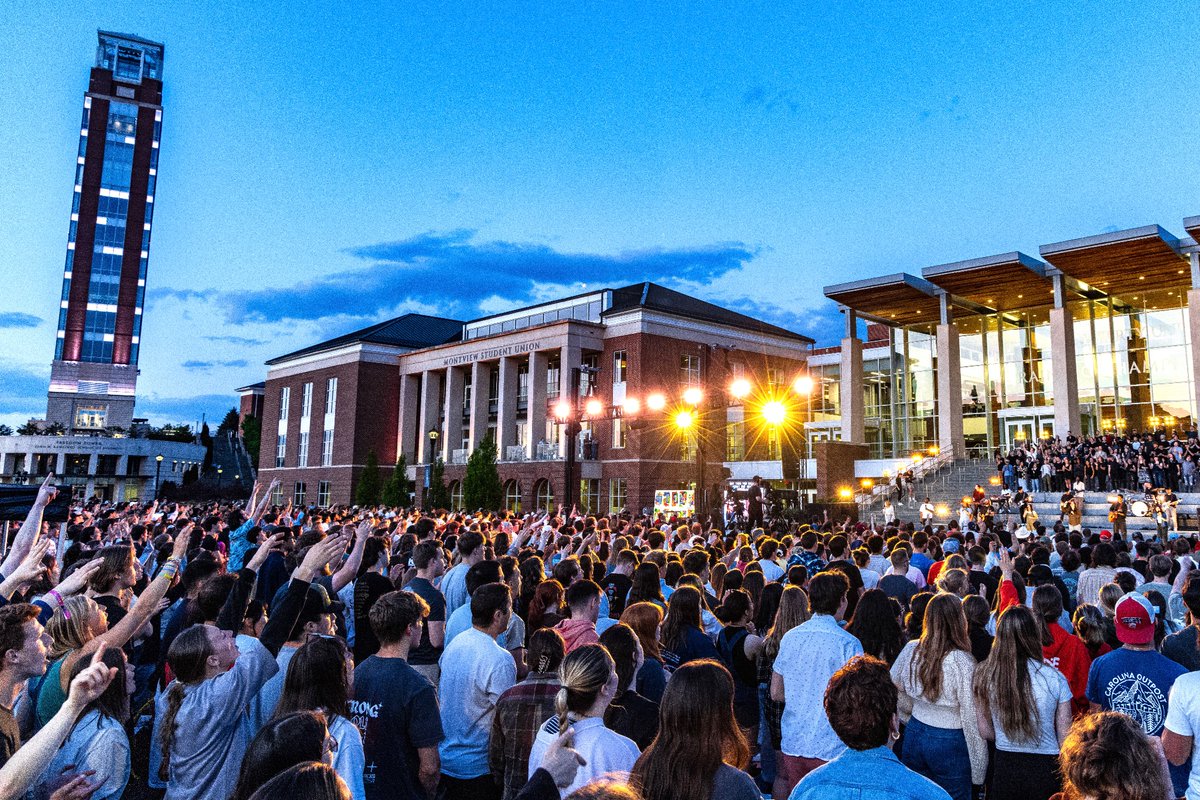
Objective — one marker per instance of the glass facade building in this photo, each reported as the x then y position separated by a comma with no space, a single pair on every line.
1093,337
94,373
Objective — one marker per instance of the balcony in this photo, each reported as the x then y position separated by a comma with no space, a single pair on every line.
459,456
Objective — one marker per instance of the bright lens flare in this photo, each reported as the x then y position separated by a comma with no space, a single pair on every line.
632,405
739,388
684,420
593,407
692,396
774,412
845,493
656,402
562,409
803,385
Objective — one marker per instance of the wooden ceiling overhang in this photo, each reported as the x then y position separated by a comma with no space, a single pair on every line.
899,300
1005,282
1137,259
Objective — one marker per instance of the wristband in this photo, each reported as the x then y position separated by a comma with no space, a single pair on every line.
170,569
58,598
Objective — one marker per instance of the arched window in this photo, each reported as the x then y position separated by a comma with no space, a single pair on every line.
543,495
512,496
456,500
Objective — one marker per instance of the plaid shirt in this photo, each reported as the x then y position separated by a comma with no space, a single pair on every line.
520,711
811,561
772,710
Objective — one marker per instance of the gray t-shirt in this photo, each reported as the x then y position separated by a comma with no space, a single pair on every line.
212,726
1050,689
730,783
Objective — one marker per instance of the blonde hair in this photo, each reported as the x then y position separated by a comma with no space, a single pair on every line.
70,627
583,674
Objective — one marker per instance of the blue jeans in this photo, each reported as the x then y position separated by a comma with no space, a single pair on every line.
939,754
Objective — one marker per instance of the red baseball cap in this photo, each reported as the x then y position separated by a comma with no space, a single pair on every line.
1134,618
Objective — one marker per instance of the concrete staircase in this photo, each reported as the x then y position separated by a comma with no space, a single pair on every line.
234,461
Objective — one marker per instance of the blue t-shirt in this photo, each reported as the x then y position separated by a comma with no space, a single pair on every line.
1134,682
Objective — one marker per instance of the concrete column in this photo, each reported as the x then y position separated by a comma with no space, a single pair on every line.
569,361
406,428
535,431
506,409
852,401
1066,385
452,436
429,415
480,374
1193,315
949,391
60,464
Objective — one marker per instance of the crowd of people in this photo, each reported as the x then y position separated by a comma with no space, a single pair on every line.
253,651
1105,462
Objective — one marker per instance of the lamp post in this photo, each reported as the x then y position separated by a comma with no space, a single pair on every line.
158,459
694,396
803,387
219,471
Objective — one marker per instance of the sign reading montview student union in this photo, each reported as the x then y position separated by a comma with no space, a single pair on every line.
492,353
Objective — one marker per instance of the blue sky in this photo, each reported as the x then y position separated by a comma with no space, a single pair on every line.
327,165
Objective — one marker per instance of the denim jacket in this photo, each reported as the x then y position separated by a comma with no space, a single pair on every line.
874,774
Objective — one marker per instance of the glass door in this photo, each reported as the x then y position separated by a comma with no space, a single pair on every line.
1018,432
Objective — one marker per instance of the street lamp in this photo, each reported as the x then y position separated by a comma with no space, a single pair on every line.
694,396
219,471
158,459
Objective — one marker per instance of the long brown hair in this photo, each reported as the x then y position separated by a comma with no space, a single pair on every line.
188,659
547,599
1003,682
697,732
645,618
793,611
944,630
318,678
1108,755
683,612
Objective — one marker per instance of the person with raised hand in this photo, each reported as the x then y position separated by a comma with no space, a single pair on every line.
30,528
199,718
90,633
27,764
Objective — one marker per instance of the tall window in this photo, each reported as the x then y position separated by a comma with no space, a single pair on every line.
298,494
280,449
589,495
512,496
277,496
323,494
306,401
620,366
302,459
285,399
553,383
456,494
619,433
327,448
689,370
735,443
330,396
616,495
774,451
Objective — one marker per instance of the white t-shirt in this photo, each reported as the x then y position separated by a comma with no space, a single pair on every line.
475,672
1183,718
771,570
1049,689
604,751
870,578
808,656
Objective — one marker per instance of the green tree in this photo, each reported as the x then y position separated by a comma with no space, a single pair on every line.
367,491
252,437
28,429
396,491
230,423
5,430
207,440
481,484
436,496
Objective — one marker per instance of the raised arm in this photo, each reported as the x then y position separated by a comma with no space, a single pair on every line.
284,617
30,528
266,501
349,569
30,761
146,605
234,609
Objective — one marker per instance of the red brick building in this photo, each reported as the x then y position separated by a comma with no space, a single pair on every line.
431,388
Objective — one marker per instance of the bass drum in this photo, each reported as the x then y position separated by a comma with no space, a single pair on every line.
1139,508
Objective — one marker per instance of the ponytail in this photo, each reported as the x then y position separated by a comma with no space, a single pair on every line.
188,658
167,734
584,674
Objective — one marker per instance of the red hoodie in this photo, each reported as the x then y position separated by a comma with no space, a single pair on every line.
1068,654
